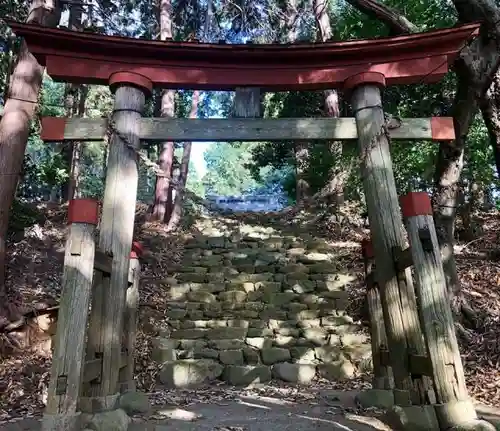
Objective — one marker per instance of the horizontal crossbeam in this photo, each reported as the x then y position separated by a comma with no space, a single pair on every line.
244,129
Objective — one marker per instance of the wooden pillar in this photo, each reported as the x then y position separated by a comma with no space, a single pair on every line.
67,362
385,222
127,382
454,406
116,231
382,372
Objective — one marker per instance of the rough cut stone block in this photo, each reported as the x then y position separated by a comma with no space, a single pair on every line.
273,355
238,323
251,355
226,344
315,335
273,313
177,293
242,375
296,307
113,420
303,286
279,299
233,296
227,333
293,277
176,314
231,357
294,267
328,353
294,373
260,332
206,353
355,339
134,402
200,296
289,332
259,342
195,314
302,354
342,369
336,320
313,257
189,333
268,286
309,323
194,269
323,268
192,277
257,323
284,341
192,344
188,372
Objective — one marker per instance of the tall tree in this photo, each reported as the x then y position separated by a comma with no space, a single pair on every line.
337,175
19,109
162,205
176,214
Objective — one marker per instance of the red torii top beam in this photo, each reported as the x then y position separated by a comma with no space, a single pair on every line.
92,58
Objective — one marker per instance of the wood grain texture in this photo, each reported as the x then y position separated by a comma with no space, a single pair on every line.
386,229
67,362
116,229
382,374
127,382
437,324
235,129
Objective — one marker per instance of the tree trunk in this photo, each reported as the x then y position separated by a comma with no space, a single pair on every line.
19,110
337,175
71,150
490,108
162,205
183,171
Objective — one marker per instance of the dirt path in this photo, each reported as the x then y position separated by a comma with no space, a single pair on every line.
332,411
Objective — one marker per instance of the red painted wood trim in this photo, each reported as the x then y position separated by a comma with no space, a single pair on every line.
131,78
52,128
442,129
91,58
83,211
367,248
415,204
137,250
364,78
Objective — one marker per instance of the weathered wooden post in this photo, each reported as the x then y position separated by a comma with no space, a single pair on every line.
116,231
382,373
127,382
67,363
401,320
454,407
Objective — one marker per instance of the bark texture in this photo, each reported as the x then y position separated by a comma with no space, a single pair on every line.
162,205
337,175
176,215
19,110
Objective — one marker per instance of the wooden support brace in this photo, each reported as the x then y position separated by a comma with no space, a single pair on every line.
109,300
402,258
435,314
382,372
55,129
67,362
127,382
385,225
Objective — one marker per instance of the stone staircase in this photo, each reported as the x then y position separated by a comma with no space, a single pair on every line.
250,303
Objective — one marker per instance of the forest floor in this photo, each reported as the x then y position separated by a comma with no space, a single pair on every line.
34,277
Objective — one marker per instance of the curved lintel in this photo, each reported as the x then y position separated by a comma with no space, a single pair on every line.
93,58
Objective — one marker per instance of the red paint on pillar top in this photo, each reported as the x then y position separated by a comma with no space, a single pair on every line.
442,128
83,211
364,78
52,128
367,248
415,204
137,250
131,78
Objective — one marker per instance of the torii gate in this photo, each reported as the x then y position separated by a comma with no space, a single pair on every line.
422,345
